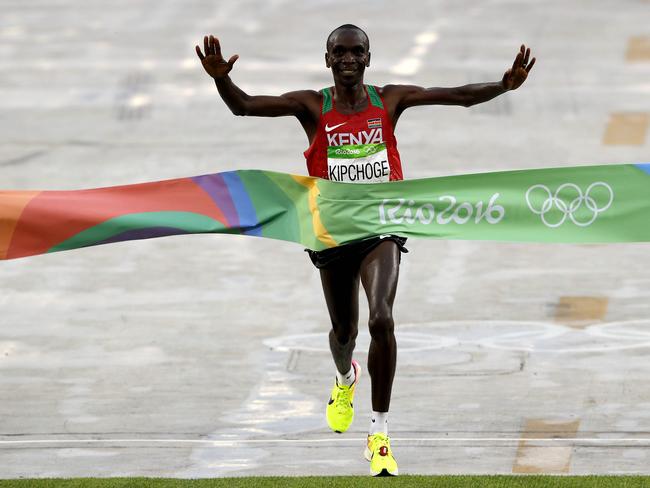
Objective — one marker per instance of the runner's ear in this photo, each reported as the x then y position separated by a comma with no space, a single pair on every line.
368,62
327,60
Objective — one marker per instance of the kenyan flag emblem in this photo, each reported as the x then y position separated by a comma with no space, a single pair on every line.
374,123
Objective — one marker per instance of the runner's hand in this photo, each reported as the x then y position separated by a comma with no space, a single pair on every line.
515,76
213,62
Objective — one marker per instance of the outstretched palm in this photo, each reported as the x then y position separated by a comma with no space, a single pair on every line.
213,62
515,76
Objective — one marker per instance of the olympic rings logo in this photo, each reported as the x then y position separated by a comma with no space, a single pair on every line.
570,203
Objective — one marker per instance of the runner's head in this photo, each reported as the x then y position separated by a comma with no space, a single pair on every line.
348,54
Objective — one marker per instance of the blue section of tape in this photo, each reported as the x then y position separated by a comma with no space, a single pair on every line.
644,167
245,209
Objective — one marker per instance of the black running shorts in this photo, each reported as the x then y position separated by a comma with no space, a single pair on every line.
355,250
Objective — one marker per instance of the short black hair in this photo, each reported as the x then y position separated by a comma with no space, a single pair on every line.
348,27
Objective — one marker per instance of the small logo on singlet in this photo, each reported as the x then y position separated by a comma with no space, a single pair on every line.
330,129
374,123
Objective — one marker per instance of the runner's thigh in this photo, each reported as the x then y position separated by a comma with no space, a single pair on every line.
341,287
379,274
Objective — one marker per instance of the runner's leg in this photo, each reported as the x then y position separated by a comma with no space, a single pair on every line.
379,273
341,287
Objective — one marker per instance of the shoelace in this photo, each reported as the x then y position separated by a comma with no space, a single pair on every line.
342,401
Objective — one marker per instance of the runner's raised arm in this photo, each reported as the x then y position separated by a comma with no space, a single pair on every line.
297,103
401,97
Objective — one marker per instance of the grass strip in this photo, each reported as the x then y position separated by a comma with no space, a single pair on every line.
455,481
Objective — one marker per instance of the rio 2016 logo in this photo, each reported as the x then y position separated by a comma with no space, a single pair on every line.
402,211
570,202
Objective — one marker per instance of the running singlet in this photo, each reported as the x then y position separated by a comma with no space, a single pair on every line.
354,148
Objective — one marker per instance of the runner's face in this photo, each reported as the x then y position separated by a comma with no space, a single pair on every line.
348,56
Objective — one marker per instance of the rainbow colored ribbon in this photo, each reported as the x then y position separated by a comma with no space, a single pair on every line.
582,204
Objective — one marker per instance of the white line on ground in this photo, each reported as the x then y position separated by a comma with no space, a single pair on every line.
220,443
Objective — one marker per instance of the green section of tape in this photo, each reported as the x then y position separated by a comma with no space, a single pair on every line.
548,205
276,212
299,196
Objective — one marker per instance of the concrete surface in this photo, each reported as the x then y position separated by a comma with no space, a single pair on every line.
200,356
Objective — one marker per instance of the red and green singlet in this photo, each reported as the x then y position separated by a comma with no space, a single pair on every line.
354,148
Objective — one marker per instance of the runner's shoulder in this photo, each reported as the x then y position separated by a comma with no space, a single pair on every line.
311,99
304,96
397,90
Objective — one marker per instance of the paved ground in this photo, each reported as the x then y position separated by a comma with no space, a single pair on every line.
207,355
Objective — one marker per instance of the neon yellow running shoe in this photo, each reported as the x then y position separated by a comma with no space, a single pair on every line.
340,409
378,452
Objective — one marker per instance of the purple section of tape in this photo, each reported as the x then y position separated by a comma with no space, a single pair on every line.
644,167
148,233
215,186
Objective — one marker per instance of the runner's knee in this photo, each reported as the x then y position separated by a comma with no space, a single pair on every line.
381,324
344,335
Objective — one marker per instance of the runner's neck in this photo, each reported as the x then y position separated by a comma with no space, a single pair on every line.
350,99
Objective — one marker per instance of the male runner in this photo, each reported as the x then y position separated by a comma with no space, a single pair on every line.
350,131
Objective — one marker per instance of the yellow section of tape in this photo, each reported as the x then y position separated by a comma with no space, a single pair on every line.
319,228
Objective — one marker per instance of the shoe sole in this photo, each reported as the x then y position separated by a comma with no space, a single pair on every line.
384,473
